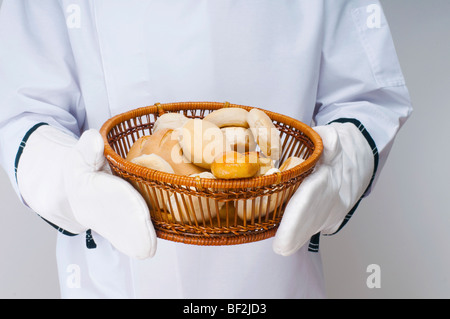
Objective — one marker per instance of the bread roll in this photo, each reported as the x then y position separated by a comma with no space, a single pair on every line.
164,143
201,141
240,139
271,171
265,163
261,204
136,148
169,121
189,209
291,162
140,147
155,162
266,134
230,116
233,165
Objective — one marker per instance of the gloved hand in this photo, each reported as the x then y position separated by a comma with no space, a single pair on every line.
67,182
324,198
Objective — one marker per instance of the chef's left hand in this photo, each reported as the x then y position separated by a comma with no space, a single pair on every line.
324,198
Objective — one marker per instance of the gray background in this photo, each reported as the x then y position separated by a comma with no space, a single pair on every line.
402,227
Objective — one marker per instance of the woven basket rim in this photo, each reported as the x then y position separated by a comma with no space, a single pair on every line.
260,181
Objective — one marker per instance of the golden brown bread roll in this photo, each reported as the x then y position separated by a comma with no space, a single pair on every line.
230,116
266,134
136,148
265,163
234,165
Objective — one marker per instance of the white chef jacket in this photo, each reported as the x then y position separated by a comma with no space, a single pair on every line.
75,63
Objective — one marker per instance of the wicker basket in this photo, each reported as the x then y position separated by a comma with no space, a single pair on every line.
260,201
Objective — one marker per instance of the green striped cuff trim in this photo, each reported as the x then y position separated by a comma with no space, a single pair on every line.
22,145
314,242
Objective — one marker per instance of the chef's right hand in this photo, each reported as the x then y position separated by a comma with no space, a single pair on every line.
67,182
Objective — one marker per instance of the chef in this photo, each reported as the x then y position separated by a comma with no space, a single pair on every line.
66,66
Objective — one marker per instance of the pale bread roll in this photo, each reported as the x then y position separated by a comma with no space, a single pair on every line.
169,121
262,205
155,162
272,170
185,209
229,116
266,134
165,144
240,139
291,162
201,141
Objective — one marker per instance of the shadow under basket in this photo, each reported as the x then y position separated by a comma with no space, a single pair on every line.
201,211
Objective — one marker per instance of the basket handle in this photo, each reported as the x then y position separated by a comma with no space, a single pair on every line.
278,177
198,181
161,110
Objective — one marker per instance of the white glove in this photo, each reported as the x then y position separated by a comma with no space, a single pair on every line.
324,198
67,182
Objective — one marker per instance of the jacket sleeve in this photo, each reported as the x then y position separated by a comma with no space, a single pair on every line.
360,78
38,82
